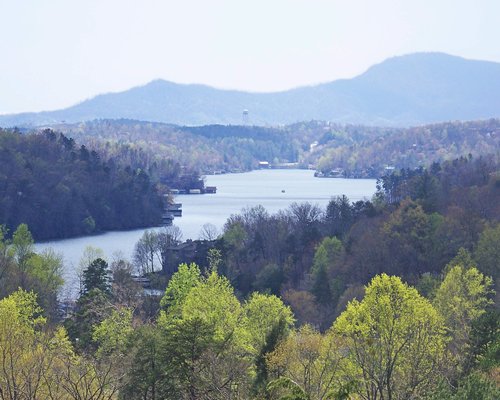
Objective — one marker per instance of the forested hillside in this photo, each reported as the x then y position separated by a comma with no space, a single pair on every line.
359,151
206,149
386,299
61,189
362,151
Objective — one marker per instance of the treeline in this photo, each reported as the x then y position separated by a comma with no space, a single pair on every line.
200,149
366,152
61,189
359,151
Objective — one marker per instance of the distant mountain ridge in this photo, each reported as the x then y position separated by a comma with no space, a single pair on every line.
406,90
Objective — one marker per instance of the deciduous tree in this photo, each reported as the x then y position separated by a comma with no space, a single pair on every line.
394,338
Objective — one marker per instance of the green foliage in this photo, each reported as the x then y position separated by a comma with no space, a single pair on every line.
473,387
214,259
312,361
327,253
60,190
325,257
275,335
45,271
21,267
91,309
477,387
22,244
145,379
96,276
395,339
411,238
213,302
484,342
262,313
428,285
179,286
88,225
463,296
286,389
487,254
111,335
269,278
461,299
21,308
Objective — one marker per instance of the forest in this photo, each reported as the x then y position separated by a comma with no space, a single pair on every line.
393,298
359,151
61,189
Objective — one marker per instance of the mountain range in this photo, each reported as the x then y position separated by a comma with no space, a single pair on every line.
406,90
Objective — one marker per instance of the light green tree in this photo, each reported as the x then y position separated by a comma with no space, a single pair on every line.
262,313
326,255
213,301
307,365
487,254
179,286
112,334
206,336
461,298
22,243
395,339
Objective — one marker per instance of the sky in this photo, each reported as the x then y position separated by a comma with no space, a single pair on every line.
56,53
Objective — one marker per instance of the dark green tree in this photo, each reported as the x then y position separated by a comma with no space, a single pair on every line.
276,334
96,276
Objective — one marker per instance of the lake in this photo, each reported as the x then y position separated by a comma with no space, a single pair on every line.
274,189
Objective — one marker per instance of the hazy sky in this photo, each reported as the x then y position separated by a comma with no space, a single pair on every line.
54,53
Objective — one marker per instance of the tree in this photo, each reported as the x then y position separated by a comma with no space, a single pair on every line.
461,299
395,340
339,216
111,334
6,262
146,377
213,301
487,254
147,252
269,279
96,276
22,244
410,240
168,240
326,255
209,232
91,309
45,271
276,334
126,291
20,355
303,305
483,350
262,313
89,254
189,349
309,362
186,278
206,338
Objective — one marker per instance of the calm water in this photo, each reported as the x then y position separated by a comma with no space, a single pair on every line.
234,192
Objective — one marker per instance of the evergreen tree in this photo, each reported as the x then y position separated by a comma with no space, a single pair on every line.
96,276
